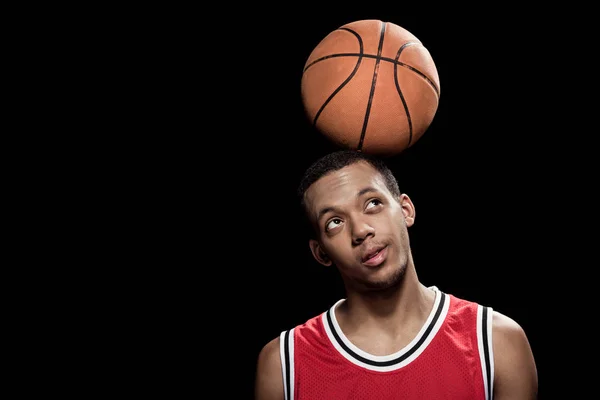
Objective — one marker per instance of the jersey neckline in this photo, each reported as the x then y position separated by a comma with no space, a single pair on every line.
395,360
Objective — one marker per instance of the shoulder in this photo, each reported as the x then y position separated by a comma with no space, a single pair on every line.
515,373
269,352
509,336
269,382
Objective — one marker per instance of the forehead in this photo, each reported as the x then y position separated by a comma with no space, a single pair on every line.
342,185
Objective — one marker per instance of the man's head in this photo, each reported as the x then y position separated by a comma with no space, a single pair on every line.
359,218
342,158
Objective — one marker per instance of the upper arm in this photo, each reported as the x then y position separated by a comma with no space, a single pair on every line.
515,372
269,377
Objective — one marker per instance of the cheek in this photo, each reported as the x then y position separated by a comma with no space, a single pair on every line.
403,234
338,247
397,230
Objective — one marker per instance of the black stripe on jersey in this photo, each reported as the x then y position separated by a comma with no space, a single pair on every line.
400,358
288,376
486,350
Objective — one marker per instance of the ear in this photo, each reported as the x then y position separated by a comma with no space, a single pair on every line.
318,253
408,209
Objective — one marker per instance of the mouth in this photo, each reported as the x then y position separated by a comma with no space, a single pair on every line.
374,257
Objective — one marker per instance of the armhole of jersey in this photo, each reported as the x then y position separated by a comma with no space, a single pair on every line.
286,352
486,351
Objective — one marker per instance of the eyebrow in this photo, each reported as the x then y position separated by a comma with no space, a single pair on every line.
360,193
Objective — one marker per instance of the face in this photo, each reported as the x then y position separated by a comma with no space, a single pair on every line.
362,227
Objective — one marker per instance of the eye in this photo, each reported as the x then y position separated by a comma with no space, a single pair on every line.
332,224
373,203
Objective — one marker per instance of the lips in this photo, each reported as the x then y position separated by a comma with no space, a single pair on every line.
374,255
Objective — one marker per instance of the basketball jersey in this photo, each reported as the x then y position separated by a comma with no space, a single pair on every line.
450,358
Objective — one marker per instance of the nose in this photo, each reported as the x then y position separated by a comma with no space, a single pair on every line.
361,230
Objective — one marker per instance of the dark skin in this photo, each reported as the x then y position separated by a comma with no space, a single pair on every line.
386,305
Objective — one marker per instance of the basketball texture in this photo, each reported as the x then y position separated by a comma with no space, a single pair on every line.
371,86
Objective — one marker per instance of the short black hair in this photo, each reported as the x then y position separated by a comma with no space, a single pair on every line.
339,159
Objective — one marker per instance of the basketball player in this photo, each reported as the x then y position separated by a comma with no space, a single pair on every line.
391,337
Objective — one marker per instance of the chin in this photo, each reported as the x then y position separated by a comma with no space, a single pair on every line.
394,277
390,279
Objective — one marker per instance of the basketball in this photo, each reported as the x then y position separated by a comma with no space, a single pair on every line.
371,86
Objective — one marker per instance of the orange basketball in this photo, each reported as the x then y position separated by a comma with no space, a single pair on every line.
371,86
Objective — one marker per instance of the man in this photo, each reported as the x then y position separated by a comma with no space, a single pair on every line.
391,337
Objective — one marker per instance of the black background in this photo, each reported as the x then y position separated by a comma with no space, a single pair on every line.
224,142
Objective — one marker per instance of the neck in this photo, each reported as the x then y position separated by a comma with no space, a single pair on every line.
404,306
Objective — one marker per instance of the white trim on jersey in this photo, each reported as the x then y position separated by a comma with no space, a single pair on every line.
486,351
286,353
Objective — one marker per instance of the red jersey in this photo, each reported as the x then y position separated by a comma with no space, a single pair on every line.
450,358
